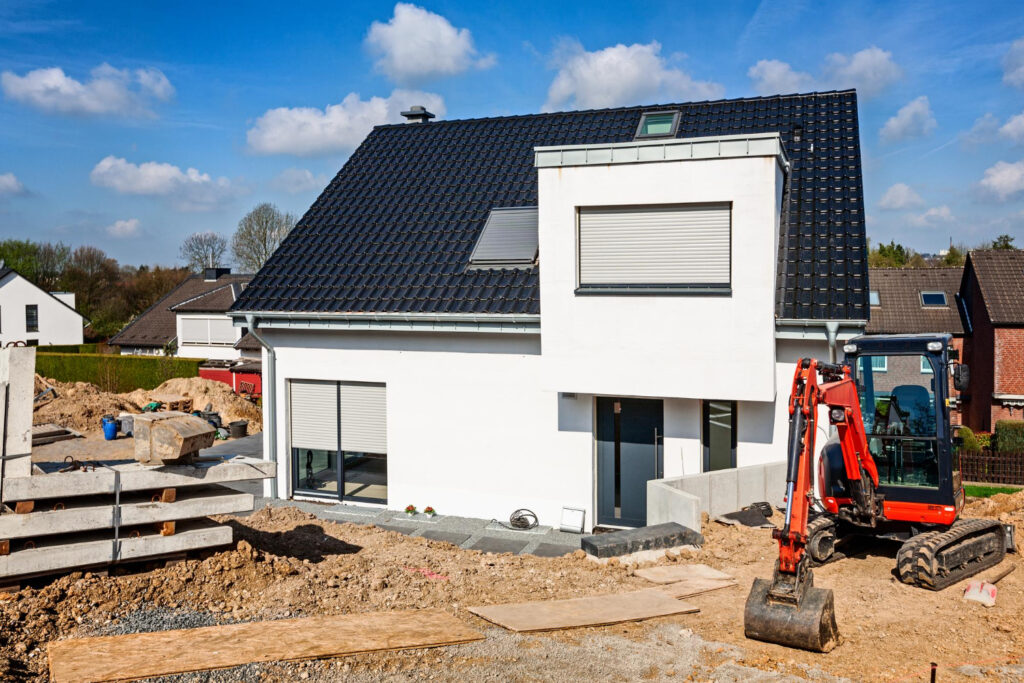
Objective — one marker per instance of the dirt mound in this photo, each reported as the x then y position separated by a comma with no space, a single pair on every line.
1010,505
81,406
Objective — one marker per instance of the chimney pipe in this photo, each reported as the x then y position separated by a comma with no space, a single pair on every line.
417,114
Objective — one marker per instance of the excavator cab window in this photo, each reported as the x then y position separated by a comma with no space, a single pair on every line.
897,394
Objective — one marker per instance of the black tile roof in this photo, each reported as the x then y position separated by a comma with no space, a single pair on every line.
394,230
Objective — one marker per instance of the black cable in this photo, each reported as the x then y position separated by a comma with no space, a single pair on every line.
520,520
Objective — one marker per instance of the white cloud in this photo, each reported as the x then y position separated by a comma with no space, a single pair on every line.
983,131
1013,64
870,71
1013,129
308,131
772,77
121,92
415,46
187,190
620,75
298,180
125,228
913,120
933,216
899,197
1004,180
11,186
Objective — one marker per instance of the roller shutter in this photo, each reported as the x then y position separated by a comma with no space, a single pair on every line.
194,331
364,418
685,245
222,331
509,238
314,415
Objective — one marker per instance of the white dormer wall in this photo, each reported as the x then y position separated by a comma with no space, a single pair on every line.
58,324
678,344
218,341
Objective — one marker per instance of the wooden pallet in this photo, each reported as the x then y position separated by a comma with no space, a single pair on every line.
51,433
173,402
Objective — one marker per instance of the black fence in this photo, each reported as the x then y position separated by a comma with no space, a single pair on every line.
992,468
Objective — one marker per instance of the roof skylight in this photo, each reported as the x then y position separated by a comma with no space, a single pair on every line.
657,124
508,240
933,298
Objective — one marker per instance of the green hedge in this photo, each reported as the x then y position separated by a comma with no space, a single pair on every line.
1008,436
970,442
115,373
71,348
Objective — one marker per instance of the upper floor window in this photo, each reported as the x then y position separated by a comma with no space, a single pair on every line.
645,249
31,318
873,298
658,124
933,298
212,331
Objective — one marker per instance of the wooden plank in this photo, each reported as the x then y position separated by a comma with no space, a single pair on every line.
672,573
691,587
552,615
141,655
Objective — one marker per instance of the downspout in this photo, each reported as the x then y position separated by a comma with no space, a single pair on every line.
832,331
270,397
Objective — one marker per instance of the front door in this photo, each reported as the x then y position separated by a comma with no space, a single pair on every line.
629,434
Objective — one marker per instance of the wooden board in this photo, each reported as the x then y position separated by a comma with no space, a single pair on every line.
691,587
552,615
141,655
673,573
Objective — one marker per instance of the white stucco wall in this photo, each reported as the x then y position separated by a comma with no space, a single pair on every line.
473,429
687,345
57,323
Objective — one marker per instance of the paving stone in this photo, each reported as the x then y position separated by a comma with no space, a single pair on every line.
489,544
448,536
627,541
552,550
394,527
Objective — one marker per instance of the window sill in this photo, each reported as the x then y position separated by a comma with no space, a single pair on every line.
654,290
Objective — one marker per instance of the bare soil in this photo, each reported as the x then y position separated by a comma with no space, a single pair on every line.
289,563
81,406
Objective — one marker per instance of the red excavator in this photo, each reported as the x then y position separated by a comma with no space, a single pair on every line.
890,472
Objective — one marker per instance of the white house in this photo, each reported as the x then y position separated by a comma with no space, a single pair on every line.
35,317
193,316
549,311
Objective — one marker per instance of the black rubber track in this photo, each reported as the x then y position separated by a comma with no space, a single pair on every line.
918,559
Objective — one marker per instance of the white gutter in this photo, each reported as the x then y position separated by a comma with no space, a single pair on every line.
415,322
269,397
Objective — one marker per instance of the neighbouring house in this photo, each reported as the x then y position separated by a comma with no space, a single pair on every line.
192,316
550,311
35,317
992,290
911,301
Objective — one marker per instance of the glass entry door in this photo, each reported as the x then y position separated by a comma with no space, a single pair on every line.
629,437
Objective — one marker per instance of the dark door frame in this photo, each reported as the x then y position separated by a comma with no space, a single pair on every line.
612,432
705,436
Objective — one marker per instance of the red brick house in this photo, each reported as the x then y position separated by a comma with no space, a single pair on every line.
992,291
911,301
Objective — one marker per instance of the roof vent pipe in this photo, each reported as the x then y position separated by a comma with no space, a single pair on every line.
417,114
832,330
270,399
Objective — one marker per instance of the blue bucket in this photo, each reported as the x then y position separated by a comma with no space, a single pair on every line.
109,429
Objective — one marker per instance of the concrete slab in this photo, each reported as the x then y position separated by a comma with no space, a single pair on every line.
89,512
750,485
418,518
551,550
628,541
135,476
96,549
452,537
490,544
539,529
724,492
394,527
17,372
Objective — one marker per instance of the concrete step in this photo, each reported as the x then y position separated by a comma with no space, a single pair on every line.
86,513
626,541
134,476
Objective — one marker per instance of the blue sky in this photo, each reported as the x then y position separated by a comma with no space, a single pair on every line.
131,125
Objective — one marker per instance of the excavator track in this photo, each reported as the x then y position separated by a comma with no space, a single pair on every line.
937,559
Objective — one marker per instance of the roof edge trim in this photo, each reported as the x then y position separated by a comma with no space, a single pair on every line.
425,322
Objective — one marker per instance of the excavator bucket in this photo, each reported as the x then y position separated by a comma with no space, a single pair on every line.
804,617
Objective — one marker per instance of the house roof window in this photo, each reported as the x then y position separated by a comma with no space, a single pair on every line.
657,124
508,240
933,298
873,298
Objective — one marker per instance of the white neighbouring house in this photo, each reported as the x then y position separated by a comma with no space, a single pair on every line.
35,317
550,311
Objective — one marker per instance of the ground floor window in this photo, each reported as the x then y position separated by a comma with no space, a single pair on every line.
718,435
338,434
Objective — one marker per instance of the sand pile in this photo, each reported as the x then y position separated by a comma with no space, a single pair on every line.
81,406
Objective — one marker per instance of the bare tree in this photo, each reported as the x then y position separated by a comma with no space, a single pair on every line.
204,250
259,234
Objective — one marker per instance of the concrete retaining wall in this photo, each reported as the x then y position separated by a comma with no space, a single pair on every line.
682,499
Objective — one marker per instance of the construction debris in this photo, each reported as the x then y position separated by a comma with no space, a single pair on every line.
984,590
170,438
51,433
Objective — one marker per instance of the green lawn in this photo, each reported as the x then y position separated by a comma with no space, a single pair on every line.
980,491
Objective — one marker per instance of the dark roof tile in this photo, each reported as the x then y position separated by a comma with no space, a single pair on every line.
899,296
1000,274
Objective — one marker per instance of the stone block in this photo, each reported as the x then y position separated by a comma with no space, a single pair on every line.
616,543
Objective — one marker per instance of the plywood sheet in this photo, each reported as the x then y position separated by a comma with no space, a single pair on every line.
551,615
673,573
141,655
